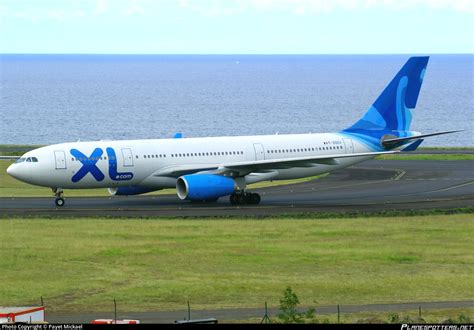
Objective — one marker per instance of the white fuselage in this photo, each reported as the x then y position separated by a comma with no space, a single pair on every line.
144,163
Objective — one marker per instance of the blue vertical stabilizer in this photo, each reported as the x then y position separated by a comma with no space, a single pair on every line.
391,113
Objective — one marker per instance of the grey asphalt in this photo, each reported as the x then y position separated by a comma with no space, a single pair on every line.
248,313
372,186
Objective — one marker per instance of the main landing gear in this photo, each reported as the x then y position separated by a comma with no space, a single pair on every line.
242,197
58,192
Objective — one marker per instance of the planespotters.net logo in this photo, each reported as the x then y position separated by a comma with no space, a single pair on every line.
437,327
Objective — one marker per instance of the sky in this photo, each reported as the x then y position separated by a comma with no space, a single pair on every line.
237,26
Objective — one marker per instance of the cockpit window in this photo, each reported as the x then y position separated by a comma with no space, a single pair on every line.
27,159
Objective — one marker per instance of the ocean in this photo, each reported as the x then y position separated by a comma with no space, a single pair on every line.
47,99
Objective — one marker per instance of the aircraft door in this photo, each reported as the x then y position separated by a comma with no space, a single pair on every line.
349,146
60,159
259,152
127,157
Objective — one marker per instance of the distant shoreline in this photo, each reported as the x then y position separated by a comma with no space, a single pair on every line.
20,149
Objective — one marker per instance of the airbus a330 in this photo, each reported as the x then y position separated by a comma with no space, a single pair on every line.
205,169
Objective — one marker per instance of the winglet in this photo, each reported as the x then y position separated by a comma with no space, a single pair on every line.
413,146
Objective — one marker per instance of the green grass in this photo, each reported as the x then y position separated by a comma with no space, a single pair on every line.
16,149
447,148
83,264
427,157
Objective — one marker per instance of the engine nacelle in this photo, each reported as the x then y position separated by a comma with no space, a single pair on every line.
203,187
132,190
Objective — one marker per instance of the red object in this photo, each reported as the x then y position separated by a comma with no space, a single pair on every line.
17,311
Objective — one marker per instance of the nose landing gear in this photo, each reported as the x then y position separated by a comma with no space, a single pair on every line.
58,192
242,197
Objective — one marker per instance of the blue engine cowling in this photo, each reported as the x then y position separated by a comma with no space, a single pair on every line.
204,187
132,190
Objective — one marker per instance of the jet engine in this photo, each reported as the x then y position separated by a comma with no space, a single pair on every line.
204,187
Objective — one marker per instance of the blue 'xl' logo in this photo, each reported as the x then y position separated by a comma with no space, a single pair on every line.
114,175
89,166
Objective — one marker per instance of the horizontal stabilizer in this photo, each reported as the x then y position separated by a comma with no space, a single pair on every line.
393,142
413,146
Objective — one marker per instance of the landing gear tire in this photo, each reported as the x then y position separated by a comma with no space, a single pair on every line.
244,198
253,199
235,199
58,193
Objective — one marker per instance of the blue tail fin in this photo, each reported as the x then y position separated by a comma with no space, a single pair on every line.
390,114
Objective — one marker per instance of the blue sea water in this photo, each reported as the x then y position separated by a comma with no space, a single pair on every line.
48,99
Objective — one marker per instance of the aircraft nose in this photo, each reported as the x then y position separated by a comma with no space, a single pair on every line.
11,170
15,171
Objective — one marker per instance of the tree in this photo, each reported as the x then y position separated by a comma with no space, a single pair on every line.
289,312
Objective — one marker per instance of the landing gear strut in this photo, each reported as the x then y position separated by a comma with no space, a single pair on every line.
58,192
242,197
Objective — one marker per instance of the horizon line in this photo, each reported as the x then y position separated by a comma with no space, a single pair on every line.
242,54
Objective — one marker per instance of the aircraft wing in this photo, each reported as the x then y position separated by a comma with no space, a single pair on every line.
243,168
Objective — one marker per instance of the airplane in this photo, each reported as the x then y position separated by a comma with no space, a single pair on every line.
205,169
